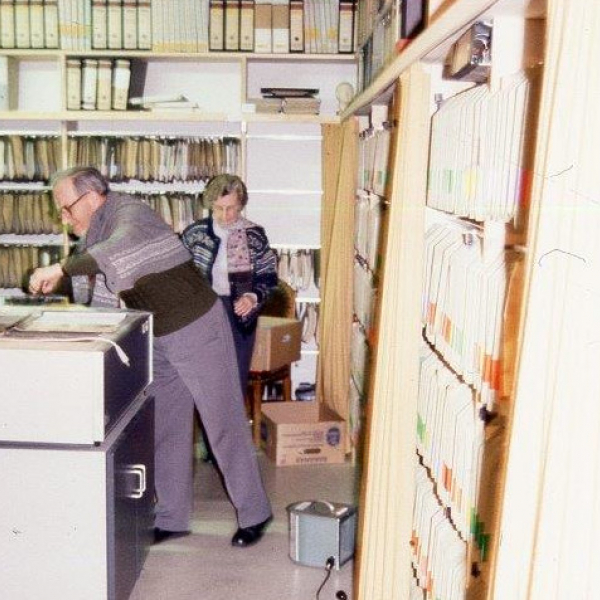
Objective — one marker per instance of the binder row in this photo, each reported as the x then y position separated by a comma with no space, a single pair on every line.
18,262
98,84
156,158
439,555
450,441
359,354
373,156
364,295
28,213
368,210
308,314
177,210
298,268
478,167
278,26
282,26
463,306
76,24
384,29
29,157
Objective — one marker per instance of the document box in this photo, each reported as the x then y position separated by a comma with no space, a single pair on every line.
277,343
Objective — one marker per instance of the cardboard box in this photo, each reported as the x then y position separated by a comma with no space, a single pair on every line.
302,433
277,343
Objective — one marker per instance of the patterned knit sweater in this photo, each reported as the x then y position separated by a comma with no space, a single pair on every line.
260,276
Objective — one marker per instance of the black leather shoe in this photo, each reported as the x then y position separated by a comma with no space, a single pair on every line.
248,536
160,535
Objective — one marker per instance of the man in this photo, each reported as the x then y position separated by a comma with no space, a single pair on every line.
135,258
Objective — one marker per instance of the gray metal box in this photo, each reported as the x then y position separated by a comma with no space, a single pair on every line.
63,375
319,530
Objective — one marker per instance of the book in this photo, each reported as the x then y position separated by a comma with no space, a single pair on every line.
99,24
115,25
51,24
141,100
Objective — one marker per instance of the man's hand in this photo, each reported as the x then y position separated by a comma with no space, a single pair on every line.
45,279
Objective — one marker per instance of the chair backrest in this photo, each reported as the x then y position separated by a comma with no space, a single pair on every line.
281,302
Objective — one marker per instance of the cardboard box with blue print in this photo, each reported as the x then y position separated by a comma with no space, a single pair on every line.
277,343
302,433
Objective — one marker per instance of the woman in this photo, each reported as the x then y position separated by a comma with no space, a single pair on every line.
234,254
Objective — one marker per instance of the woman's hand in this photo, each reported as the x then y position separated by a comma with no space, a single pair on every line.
45,279
244,305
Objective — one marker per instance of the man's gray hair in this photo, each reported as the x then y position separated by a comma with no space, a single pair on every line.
85,179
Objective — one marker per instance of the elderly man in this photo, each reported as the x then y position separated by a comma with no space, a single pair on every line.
133,257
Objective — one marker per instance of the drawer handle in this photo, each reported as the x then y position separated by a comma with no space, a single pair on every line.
137,470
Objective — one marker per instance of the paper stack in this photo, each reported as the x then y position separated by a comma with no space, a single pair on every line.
171,102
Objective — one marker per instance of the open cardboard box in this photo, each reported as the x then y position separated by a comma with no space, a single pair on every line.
302,433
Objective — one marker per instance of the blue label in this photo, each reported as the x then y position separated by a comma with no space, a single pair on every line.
334,436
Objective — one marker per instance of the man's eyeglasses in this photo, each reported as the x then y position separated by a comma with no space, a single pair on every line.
66,211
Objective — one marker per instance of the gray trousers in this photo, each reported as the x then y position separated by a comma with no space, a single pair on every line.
196,367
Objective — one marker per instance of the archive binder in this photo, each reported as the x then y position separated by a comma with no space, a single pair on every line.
8,84
89,77
73,84
114,24
144,24
99,24
262,26
22,28
280,23
217,23
121,77
296,25
36,23
51,23
346,26
7,23
104,91
129,24
232,25
247,25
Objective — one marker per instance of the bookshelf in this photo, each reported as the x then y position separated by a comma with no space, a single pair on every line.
222,84
431,498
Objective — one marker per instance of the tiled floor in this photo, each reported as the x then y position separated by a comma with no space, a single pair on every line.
204,566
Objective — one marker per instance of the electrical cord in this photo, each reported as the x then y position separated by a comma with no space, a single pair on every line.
329,563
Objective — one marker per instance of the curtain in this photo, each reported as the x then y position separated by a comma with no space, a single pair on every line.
337,243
